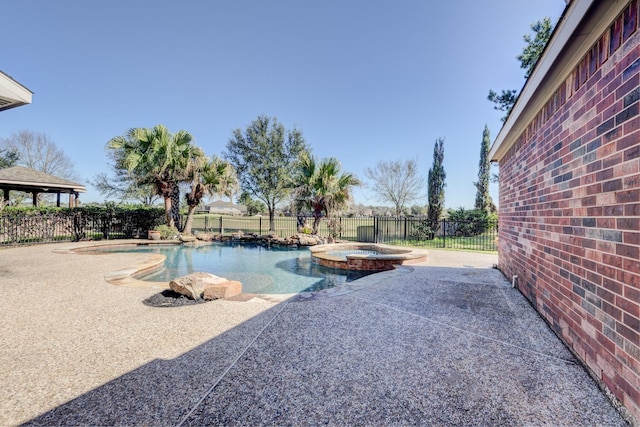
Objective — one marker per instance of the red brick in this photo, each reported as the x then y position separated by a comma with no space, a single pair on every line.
632,322
630,334
628,196
632,125
631,279
632,293
627,141
631,265
631,238
612,310
628,306
612,286
628,251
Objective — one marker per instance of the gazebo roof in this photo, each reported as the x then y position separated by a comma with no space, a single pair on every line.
20,178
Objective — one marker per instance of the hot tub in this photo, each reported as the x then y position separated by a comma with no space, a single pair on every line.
365,256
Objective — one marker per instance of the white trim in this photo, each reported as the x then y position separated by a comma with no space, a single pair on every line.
13,92
565,29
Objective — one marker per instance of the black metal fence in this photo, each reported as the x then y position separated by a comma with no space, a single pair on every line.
479,235
23,228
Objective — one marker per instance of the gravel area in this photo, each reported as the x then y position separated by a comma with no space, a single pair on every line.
448,342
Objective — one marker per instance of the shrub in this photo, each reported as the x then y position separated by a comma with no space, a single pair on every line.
468,223
166,232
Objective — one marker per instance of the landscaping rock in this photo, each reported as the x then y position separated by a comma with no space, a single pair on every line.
227,289
187,238
193,285
309,240
205,237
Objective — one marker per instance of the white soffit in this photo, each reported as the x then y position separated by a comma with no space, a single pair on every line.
12,93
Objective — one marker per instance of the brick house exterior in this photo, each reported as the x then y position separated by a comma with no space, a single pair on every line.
569,158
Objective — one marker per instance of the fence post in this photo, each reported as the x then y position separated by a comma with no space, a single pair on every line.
375,229
260,225
221,227
444,232
405,229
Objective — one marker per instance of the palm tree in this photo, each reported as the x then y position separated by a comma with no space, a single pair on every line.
322,188
214,177
156,156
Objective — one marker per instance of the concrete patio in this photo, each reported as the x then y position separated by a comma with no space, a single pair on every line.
447,342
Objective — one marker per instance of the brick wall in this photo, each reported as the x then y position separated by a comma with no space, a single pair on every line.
570,210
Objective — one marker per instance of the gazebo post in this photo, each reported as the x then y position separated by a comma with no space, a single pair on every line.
6,195
58,200
34,195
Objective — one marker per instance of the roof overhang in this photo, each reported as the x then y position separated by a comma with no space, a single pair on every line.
28,180
12,93
580,26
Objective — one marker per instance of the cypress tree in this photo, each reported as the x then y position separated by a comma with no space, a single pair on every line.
483,198
436,184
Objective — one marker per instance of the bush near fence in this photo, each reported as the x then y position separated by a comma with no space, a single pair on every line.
23,226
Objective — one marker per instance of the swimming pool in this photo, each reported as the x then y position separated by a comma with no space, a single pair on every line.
261,270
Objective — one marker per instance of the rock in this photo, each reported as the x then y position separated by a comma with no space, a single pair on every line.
227,289
309,240
187,238
205,237
193,285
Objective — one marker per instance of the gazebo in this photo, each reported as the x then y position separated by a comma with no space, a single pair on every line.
20,178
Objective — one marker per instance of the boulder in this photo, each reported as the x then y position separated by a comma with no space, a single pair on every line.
227,289
187,238
193,285
205,237
309,240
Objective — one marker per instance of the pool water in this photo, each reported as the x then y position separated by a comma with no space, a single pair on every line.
260,270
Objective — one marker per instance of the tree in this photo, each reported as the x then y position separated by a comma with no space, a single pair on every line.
8,158
483,197
528,58
396,182
322,187
123,184
156,156
264,156
503,101
436,182
531,53
37,151
207,176
253,206
418,210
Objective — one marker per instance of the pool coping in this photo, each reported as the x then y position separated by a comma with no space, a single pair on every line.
129,275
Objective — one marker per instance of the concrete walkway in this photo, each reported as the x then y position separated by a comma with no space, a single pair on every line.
444,343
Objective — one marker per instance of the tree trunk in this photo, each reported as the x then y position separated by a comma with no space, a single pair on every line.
189,221
167,210
272,224
316,221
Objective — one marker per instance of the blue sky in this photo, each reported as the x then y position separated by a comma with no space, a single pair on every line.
364,80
